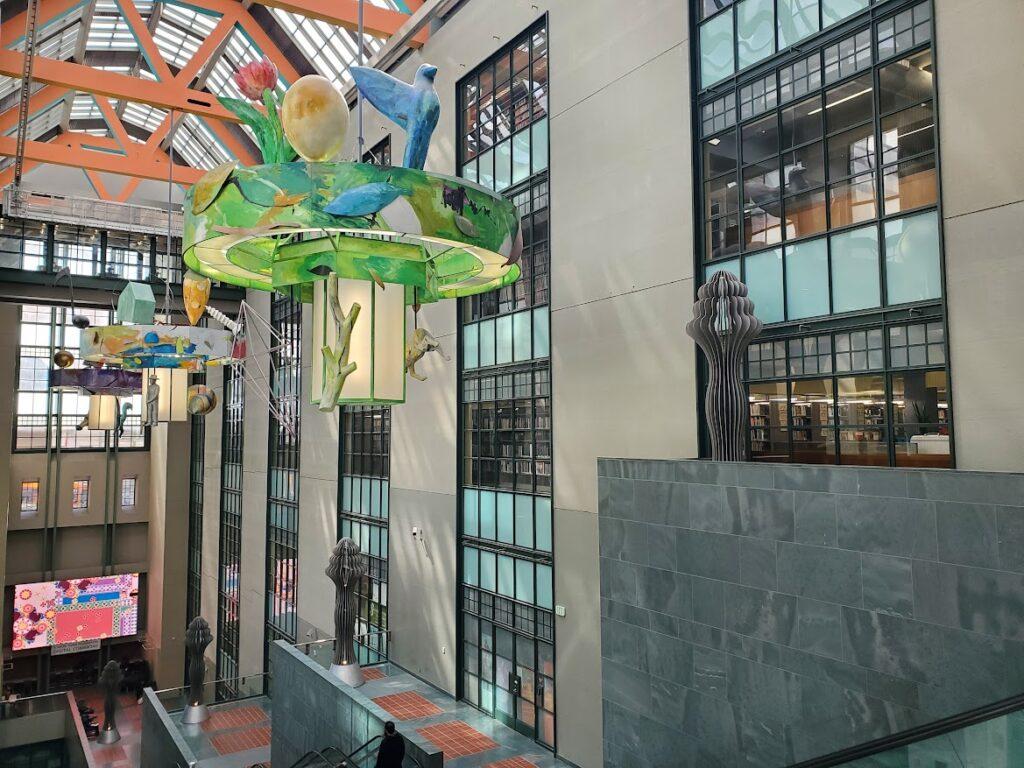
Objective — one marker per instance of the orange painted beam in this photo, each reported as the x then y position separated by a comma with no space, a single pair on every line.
79,77
7,175
202,55
232,144
39,100
74,153
379,22
13,29
126,191
98,185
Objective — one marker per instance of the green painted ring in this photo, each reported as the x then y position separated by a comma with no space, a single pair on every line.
268,227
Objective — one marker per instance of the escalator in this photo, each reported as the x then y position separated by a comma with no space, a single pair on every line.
332,757
988,737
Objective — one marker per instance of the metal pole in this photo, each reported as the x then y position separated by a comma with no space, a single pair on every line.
359,103
26,89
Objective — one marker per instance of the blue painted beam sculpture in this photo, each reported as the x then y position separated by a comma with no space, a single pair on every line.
415,108
723,326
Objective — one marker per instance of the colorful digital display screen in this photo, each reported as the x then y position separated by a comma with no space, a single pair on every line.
72,610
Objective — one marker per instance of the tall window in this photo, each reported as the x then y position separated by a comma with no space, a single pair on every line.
819,189
45,416
230,555
197,465
507,601
283,475
80,495
128,488
365,459
29,497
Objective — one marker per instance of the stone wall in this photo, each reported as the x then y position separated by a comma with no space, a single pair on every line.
313,710
757,614
162,744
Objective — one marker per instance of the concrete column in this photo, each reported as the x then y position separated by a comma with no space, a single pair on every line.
211,507
168,547
8,365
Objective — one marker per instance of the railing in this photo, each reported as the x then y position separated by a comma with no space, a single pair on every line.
33,705
90,212
216,691
322,651
988,736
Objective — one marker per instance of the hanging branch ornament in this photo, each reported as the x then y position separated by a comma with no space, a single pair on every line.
723,326
338,367
422,341
197,637
345,568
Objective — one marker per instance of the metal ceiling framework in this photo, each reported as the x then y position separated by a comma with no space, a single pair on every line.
127,87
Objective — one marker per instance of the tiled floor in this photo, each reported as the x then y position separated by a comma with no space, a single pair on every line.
457,739
236,735
234,718
511,762
123,753
407,706
241,740
373,673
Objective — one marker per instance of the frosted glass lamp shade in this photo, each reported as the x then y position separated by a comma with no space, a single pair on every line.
102,412
377,344
172,404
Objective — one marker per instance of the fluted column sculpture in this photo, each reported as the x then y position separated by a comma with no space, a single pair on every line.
345,568
110,682
197,637
723,326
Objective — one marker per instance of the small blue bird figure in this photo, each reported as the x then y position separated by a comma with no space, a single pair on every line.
366,200
415,108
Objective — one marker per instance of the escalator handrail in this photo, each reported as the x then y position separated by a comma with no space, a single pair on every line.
917,733
360,748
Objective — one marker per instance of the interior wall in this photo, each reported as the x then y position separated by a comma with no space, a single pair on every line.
979,58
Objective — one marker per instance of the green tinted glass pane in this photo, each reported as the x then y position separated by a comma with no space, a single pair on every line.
755,31
541,333
912,271
543,509
503,165
470,512
837,10
540,145
488,529
807,279
470,346
384,543
855,283
545,597
520,156
384,496
488,574
524,521
505,517
732,265
486,169
716,54
470,565
469,170
375,498
486,342
524,581
522,337
346,493
797,20
506,576
764,281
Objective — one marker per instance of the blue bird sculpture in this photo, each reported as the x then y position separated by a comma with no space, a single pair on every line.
366,200
415,108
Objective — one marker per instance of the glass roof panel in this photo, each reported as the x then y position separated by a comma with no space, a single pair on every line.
239,51
180,31
197,145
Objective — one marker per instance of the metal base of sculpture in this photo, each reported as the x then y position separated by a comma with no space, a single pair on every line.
723,326
195,714
350,674
108,736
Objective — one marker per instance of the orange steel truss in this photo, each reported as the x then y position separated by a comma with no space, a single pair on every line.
171,91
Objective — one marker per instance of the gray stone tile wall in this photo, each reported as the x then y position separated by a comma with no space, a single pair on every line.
313,710
759,615
161,743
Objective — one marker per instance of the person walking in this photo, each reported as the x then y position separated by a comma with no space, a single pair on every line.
392,748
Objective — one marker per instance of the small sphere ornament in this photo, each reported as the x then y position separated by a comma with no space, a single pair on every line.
315,118
62,358
201,400
81,322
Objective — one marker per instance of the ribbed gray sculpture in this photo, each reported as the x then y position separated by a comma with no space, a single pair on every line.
345,568
723,326
197,637
110,682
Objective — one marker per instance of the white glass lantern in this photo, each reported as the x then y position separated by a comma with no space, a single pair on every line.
172,402
102,412
377,344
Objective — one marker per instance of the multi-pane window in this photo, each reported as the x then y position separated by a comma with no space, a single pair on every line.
29,497
826,203
22,244
365,458
503,107
80,494
283,473
230,544
197,462
875,395
506,559
379,153
128,488
45,416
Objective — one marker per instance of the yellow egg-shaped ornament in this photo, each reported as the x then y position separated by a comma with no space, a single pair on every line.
196,291
315,118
